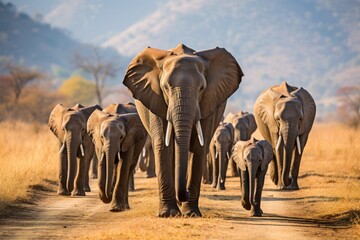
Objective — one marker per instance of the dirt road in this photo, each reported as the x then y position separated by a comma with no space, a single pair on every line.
286,216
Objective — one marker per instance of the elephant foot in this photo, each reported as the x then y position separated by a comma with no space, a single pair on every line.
169,210
220,188
117,207
104,199
87,188
63,192
150,175
281,187
293,186
246,204
256,212
206,181
190,211
213,185
78,193
131,189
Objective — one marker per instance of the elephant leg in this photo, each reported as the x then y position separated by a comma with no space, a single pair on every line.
119,202
245,190
164,161
150,172
259,181
79,189
205,174
210,171
279,165
273,171
87,169
233,169
131,182
62,190
190,208
94,167
215,174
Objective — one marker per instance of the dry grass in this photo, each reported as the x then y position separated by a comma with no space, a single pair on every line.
27,157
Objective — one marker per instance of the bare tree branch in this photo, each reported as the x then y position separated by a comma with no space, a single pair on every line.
349,107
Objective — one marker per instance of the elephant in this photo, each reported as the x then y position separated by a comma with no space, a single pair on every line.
119,108
253,158
118,139
181,95
285,115
147,159
76,147
220,150
244,126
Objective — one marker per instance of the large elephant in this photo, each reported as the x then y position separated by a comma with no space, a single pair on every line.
76,147
285,115
253,158
147,159
220,150
181,95
244,126
119,108
119,140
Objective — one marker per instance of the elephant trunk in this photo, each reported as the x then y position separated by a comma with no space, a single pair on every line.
110,153
102,178
183,115
252,175
289,136
222,168
72,145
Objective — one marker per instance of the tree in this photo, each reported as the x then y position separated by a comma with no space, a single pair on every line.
99,68
21,76
349,107
78,90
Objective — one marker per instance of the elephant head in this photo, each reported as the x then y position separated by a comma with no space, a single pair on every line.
252,156
222,143
182,87
112,135
288,112
119,108
244,125
69,126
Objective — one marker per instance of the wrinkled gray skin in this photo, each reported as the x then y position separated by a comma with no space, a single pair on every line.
244,126
69,126
119,108
287,113
147,159
252,157
119,140
220,151
175,91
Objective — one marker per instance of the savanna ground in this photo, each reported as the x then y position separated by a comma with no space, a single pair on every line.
326,207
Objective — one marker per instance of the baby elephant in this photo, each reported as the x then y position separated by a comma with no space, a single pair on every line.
253,158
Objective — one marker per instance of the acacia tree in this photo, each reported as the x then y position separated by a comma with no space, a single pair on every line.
20,76
98,68
349,107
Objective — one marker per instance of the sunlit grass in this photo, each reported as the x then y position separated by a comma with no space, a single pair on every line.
28,155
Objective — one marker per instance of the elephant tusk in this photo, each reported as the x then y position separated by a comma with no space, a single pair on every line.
227,154
119,156
200,134
62,148
143,152
298,146
82,149
168,133
278,143
216,155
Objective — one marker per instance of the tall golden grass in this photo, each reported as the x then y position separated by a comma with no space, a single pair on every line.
28,155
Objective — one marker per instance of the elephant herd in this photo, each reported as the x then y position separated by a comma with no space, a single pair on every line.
177,130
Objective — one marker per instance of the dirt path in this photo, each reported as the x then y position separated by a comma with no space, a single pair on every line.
286,216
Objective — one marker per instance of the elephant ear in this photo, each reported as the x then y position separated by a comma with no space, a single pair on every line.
238,156
93,126
77,107
229,117
264,109
309,109
55,120
267,153
223,75
230,128
89,110
135,131
142,79
252,123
